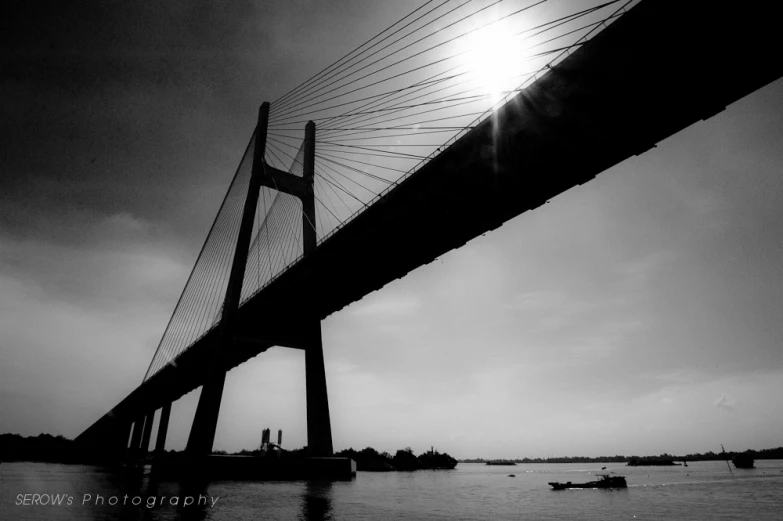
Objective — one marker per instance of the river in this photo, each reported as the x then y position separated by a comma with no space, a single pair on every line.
472,491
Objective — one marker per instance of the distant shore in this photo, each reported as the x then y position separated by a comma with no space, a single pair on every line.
58,449
776,453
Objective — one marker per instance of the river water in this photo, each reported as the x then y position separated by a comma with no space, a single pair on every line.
472,491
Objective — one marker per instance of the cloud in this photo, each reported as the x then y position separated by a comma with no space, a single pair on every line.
126,264
725,403
75,312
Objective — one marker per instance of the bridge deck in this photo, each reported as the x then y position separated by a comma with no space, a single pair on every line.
660,68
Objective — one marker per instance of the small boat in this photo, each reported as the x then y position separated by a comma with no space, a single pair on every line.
658,462
606,481
743,461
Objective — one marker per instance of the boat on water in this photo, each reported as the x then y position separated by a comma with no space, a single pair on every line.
606,481
743,461
651,462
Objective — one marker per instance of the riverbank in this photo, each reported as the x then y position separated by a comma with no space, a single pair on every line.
764,454
58,449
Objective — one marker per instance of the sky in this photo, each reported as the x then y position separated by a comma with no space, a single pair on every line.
636,314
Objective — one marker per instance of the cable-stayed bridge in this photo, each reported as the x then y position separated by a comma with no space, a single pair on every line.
457,118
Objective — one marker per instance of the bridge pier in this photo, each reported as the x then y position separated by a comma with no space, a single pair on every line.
117,446
319,427
133,449
147,434
163,427
202,433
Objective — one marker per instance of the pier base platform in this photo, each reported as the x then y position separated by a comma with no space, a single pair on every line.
254,468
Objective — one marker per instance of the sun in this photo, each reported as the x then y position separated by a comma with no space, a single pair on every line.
492,56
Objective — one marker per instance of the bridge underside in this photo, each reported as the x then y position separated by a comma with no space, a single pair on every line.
660,68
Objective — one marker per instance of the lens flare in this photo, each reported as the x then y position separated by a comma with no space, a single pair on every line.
492,57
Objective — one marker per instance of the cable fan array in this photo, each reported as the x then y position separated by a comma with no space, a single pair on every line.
381,112
385,109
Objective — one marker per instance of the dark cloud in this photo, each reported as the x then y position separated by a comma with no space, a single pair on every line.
145,108
107,107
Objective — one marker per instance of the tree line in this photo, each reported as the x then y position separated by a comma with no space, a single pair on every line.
776,453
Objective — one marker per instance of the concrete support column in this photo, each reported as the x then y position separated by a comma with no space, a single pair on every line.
133,449
119,445
202,433
145,438
319,426
163,427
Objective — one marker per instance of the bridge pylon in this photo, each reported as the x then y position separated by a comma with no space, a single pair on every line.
202,434
319,427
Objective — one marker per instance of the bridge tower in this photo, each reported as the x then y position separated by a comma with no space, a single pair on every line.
319,434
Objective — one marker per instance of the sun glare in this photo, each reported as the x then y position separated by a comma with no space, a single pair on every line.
491,56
